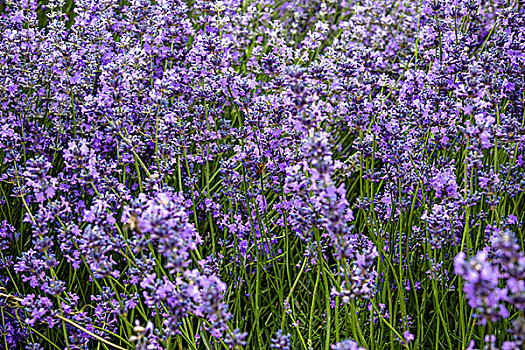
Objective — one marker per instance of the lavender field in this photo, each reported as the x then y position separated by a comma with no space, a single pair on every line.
258,174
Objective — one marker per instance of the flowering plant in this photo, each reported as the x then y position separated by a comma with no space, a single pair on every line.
321,174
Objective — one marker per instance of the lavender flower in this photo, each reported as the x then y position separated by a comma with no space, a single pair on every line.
481,286
281,341
172,163
347,344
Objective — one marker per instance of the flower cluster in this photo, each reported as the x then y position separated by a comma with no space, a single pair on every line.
502,263
347,344
261,174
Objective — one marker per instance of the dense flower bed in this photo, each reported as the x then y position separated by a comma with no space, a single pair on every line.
324,174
